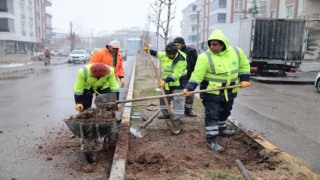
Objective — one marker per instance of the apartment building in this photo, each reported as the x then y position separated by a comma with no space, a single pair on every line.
216,13
190,24
25,28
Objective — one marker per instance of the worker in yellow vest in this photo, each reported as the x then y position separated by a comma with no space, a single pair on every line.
221,65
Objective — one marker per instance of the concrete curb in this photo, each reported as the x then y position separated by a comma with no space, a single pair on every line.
120,158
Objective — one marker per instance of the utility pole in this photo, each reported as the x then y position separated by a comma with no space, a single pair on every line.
72,38
198,23
91,45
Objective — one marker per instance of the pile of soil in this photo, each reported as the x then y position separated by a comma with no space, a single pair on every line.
93,115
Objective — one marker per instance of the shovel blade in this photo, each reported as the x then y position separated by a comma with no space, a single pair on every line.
138,131
175,125
107,100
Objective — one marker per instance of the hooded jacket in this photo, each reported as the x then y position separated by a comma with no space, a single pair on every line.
215,70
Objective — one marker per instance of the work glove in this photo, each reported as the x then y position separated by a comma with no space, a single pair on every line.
186,92
79,107
122,81
162,83
244,84
146,48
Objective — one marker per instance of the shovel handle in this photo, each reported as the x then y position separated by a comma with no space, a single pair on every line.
176,94
162,89
150,119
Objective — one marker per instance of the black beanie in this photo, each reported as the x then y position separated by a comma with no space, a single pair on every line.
178,40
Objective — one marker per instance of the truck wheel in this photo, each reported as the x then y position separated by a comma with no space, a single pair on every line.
318,85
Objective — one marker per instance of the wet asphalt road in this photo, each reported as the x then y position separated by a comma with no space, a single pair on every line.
32,104
286,115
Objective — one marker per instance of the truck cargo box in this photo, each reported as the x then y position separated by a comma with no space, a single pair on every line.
278,39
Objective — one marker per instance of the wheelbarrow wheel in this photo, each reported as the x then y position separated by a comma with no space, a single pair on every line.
90,157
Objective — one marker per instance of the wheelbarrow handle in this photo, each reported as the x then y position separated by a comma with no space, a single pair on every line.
177,94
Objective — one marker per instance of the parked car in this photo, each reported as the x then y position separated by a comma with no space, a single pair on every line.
124,54
317,82
78,56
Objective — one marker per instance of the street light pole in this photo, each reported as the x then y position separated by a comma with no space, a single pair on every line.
198,24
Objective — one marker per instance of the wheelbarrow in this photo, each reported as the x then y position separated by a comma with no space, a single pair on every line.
94,136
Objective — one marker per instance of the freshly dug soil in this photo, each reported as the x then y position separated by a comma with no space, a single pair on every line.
61,150
162,154
93,115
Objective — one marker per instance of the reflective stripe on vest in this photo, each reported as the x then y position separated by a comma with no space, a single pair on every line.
212,65
85,73
222,74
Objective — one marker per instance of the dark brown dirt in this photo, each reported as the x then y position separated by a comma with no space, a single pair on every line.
162,151
62,149
93,115
162,154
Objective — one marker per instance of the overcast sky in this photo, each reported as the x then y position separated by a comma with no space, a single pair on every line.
100,15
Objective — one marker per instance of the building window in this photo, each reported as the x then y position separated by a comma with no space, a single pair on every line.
192,38
216,4
263,2
3,6
23,29
222,18
194,8
6,25
218,18
289,11
273,14
238,5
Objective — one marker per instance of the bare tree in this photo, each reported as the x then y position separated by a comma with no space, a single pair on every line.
253,10
155,17
163,14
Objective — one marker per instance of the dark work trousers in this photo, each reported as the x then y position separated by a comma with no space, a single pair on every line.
188,99
188,104
178,103
216,115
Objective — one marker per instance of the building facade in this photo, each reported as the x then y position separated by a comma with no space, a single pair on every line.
24,28
190,24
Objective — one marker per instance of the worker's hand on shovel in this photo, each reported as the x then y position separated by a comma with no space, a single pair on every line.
79,107
146,48
244,84
122,81
161,84
186,92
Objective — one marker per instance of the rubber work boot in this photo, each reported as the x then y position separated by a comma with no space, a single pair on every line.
214,146
164,117
190,113
227,132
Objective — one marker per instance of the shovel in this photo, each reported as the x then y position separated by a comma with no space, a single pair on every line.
102,101
140,131
174,125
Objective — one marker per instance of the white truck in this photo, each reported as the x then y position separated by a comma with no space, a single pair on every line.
273,46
